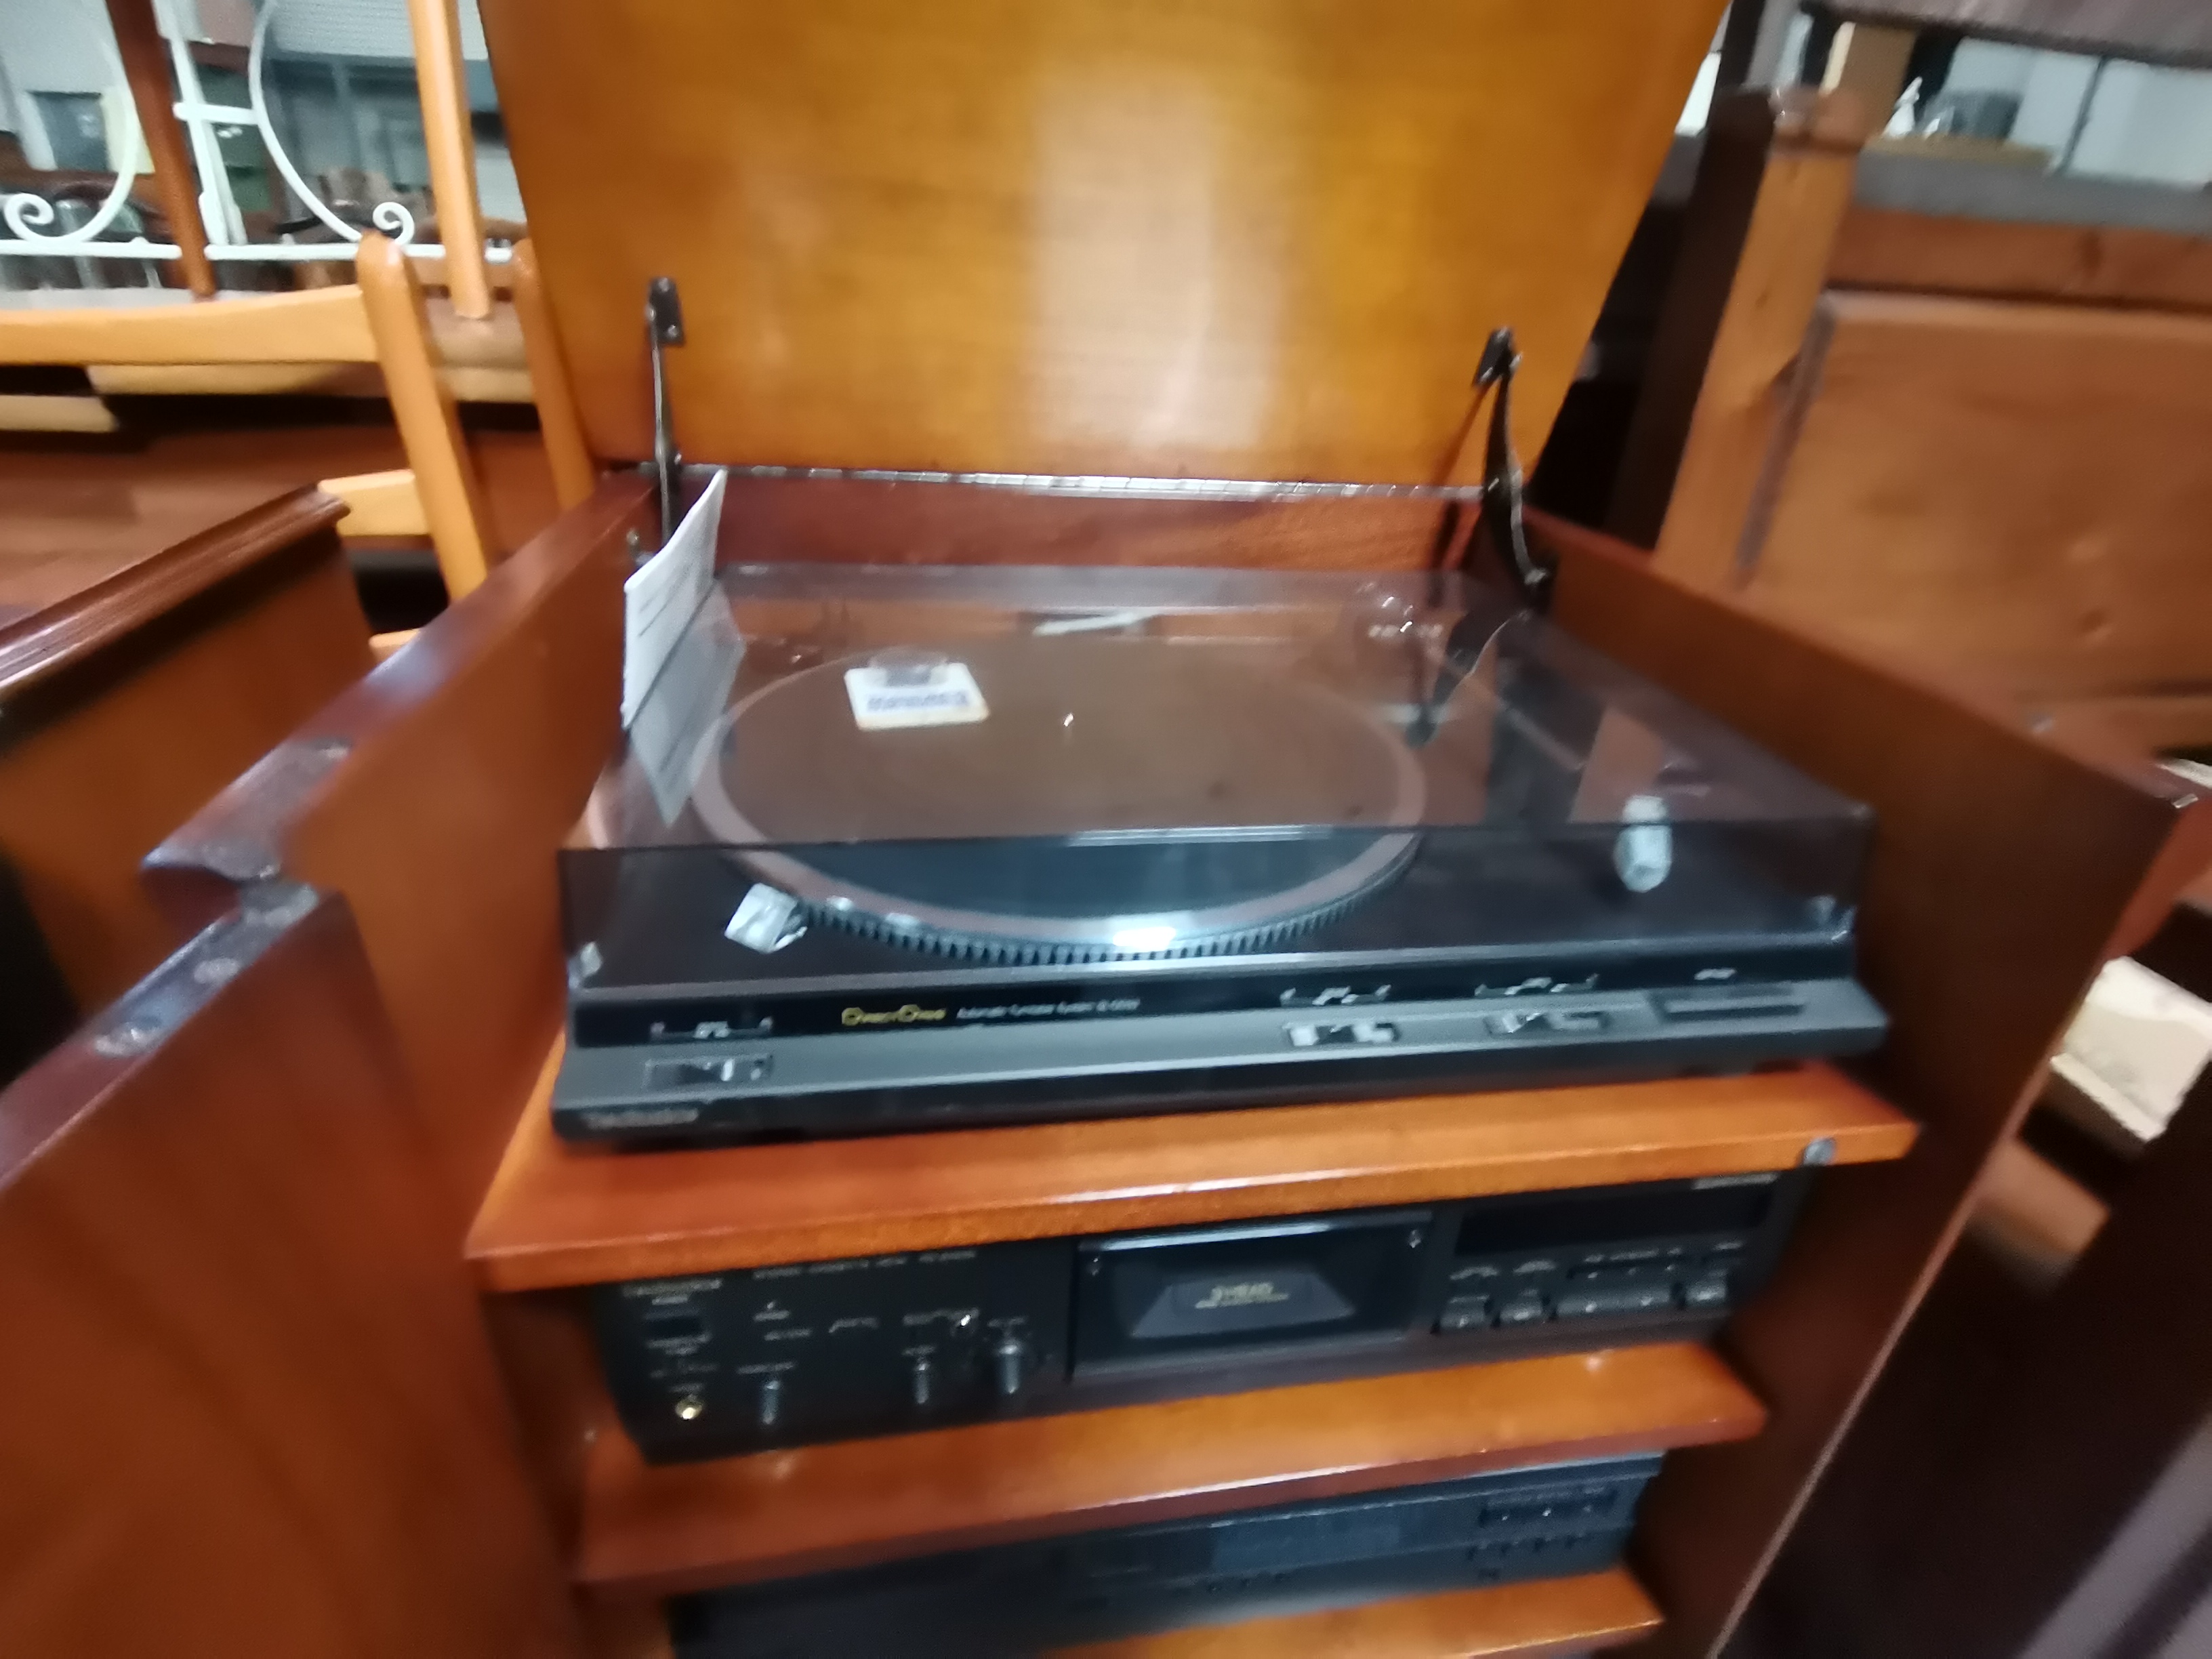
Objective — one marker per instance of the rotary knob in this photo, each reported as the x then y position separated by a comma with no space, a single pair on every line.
767,1404
1010,1366
690,1405
920,1379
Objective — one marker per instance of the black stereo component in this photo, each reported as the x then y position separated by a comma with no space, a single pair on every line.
1024,1599
906,850
721,1363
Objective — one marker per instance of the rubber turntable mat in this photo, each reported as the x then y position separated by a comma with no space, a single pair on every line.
1085,740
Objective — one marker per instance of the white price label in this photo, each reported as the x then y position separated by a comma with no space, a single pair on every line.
886,699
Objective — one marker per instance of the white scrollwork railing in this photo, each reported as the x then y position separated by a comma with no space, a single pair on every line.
391,217
26,213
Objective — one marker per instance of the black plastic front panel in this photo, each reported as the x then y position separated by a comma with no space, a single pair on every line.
831,1350
1027,1598
1144,1297
723,1364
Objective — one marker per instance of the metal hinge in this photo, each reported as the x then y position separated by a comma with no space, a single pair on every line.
1500,524
664,327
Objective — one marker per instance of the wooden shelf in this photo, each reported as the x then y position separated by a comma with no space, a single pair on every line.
654,1531
1548,1616
558,1216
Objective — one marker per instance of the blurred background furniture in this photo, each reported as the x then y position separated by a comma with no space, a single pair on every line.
154,641
1970,441
380,321
1974,441
251,148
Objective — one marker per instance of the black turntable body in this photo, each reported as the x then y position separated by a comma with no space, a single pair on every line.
1050,847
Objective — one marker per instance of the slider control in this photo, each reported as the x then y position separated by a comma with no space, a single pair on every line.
1010,1364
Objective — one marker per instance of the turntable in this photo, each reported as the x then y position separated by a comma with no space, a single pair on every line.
899,847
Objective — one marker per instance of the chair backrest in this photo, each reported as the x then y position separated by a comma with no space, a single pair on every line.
378,320
247,1404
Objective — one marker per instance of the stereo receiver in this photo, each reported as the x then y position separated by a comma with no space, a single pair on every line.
1283,1560
719,1363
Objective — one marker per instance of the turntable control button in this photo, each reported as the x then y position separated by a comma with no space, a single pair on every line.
1353,1033
1010,1366
1528,1307
1584,1022
1548,1022
1730,1002
767,1404
1710,1291
1465,1313
920,1379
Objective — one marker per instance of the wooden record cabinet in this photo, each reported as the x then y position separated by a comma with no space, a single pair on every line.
459,932
1239,240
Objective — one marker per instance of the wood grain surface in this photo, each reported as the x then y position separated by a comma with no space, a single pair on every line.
245,1406
1550,1616
1101,236
561,1216
692,1526
2158,722
2156,31
282,445
1772,187
423,409
83,565
380,505
567,452
866,521
159,644
2015,490
449,148
315,325
1973,810
145,59
2011,259
431,794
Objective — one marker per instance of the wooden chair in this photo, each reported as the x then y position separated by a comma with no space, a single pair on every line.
379,320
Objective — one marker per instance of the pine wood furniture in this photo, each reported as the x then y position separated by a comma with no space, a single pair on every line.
1975,443
380,321
447,139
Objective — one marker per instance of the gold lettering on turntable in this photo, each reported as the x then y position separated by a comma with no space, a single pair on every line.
905,1014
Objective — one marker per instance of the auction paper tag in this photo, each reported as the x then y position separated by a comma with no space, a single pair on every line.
942,694
660,597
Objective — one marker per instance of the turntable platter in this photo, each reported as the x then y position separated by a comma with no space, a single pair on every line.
1116,799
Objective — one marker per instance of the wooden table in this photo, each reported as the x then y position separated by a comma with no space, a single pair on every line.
156,638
